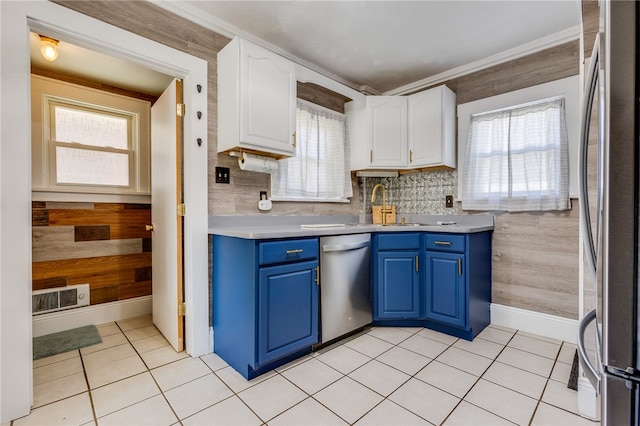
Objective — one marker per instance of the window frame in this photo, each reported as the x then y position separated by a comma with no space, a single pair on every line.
287,198
568,87
46,91
133,144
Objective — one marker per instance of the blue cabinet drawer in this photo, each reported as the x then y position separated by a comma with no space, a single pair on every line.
445,242
399,241
287,251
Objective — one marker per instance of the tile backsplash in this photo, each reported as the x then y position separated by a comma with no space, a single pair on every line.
414,193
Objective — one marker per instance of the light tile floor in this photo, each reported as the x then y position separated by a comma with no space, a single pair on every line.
383,376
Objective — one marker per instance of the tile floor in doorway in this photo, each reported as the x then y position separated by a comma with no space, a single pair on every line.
392,376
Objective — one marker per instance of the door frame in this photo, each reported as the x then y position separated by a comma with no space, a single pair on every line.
17,18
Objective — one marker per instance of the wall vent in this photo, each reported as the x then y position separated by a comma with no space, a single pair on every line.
59,298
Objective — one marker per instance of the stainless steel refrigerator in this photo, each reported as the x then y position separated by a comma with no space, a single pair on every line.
611,248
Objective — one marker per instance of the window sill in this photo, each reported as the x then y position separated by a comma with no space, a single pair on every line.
81,197
310,200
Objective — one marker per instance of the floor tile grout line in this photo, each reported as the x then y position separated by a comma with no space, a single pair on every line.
89,393
476,382
148,370
430,361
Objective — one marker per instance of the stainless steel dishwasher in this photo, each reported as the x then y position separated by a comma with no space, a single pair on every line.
345,286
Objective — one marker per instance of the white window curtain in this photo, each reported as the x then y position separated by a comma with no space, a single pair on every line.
517,159
320,169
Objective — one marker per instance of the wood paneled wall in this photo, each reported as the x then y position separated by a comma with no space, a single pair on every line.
241,196
102,244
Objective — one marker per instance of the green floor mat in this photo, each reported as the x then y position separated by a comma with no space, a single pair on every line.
65,341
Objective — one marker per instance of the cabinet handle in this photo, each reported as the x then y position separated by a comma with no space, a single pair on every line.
317,275
459,266
371,156
443,243
411,156
416,263
294,251
294,139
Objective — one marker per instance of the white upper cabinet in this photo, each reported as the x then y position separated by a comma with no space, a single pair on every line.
378,132
388,130
403,132
432,128
256,100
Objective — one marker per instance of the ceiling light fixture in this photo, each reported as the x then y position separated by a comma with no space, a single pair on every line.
49,48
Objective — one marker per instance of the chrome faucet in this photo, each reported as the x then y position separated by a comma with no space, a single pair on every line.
385,209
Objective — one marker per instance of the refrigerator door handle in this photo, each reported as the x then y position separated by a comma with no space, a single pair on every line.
589,370
587,107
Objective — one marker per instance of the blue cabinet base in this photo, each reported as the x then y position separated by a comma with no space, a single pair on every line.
432,325
249,373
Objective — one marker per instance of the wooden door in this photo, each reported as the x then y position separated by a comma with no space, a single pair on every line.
166,197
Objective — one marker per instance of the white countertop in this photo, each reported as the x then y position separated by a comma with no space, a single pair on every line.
311,226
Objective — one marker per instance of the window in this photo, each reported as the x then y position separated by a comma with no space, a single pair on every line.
320,169
516,159
88,141
90,146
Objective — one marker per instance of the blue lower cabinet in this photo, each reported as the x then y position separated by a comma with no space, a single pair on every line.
265,301
287,310
398,284
446,292
396,280
457,282
437,280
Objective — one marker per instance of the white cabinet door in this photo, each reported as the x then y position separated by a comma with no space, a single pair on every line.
256,100
388,116
268,99
431,127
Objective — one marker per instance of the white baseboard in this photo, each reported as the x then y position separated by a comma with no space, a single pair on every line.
546,325
97,314
588,403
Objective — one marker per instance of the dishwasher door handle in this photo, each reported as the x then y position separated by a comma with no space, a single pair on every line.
344,247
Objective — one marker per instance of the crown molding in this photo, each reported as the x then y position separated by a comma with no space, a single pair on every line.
221,27
226,29
538,45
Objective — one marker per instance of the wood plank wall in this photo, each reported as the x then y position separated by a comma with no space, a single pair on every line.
241,196
104,245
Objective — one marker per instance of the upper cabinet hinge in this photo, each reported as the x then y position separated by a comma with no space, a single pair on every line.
180,110
182,209
182,309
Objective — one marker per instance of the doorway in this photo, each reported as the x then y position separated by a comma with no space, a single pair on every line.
43,16
101,238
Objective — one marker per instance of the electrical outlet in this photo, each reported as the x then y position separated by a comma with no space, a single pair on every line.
222,175
448,201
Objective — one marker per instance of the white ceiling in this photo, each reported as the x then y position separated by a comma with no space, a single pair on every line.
385,45
374,46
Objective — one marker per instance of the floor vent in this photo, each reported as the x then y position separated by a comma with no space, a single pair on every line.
59,298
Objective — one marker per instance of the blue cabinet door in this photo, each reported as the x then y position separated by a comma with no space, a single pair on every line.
287,310
398,285
446,294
